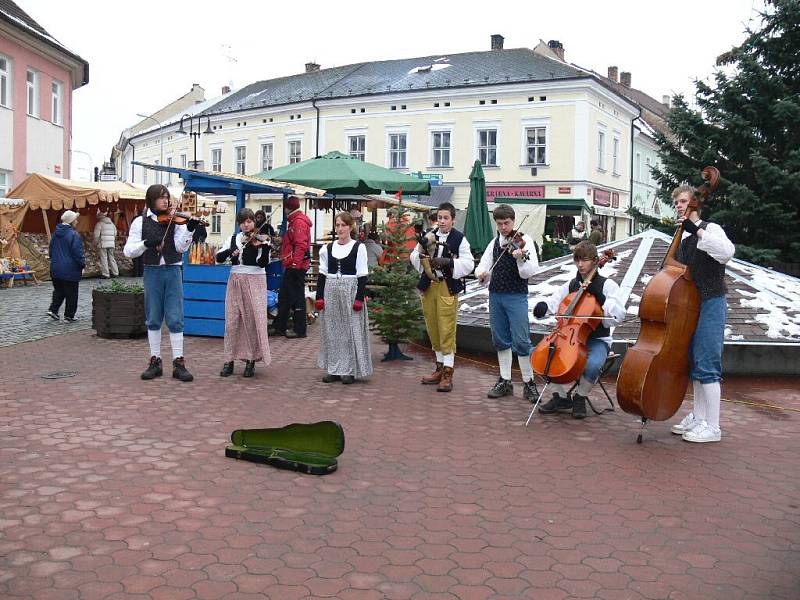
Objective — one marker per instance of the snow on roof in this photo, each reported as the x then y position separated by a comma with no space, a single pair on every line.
763,305
191,111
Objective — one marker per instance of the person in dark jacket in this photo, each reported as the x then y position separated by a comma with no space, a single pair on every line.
66,266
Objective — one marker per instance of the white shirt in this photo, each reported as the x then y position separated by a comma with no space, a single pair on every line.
341,251
526,268
240,268
613,309
135,247
462,266
714,243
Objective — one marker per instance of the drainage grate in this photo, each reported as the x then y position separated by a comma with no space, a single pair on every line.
60,375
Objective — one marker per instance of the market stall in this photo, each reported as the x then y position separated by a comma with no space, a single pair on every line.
204,285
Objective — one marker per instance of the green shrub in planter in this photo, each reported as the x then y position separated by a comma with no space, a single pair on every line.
118,310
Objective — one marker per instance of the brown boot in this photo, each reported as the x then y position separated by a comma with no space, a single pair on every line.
435,377
446,384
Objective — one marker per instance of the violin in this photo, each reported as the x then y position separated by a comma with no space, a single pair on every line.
561,356
180,218
255,238
515,241
654,374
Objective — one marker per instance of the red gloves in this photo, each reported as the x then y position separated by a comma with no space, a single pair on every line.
358,305
320,304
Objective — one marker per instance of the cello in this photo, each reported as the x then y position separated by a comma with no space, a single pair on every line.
654,374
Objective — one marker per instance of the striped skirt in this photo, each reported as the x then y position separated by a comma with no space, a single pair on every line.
246,318
344,332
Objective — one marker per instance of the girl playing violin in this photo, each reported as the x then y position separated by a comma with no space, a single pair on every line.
704,249
606,292
161,242
507,264
246,297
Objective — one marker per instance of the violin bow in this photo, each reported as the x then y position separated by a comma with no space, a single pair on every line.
519,227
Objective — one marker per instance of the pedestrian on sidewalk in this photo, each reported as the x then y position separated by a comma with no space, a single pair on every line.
105,238
161,246
67,262
245,298
344,351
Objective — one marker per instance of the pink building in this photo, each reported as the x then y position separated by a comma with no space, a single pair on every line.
37,77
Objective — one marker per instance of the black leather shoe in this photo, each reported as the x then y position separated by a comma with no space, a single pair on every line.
328,378
154,369
348,379
530,393
179,370
249,368
578,406
503,387
556,404
227,369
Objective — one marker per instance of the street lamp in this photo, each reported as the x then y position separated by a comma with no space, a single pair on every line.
195,133
91,162
161,138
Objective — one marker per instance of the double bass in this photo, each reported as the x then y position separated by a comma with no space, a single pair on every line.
654,374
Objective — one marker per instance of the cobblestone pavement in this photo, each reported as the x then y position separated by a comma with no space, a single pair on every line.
111,487
23,308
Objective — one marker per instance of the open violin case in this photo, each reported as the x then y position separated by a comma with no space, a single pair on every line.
309,448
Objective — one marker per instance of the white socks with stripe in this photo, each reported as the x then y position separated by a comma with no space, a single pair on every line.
504,359
711,396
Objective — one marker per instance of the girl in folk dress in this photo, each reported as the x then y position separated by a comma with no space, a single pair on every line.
344,343
245,298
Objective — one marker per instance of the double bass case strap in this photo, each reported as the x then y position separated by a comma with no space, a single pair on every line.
309,448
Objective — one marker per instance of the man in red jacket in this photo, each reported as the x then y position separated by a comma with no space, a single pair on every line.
296,259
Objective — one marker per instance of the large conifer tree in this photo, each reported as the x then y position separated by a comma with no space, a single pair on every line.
748,126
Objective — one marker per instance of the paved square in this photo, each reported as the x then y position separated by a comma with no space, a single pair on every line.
111,487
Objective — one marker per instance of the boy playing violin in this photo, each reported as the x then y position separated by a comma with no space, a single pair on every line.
704,249
606,292
507,264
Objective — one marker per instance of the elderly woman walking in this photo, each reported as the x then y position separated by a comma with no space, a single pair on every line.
344,342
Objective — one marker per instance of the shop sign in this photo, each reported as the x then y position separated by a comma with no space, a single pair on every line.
615,200
602,197
57,169
565,190
515,191
434,178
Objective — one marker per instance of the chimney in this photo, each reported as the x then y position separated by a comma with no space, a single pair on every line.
613,73
312,67
226,90
497,41
665,100
625,78
557,47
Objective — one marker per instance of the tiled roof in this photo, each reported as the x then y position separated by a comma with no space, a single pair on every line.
402,75
763,305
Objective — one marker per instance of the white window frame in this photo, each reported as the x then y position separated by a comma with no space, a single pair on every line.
488,146
601,149
32,93
5,183
528,124
144,176
267,165
649,172
183,159
240,159
390,152
5,82
438,162
294,158
359,153
216,223
169,173
216,167
57,103
615,152
637,173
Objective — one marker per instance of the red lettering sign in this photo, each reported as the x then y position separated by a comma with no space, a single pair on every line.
521,191
602,197
57,169
565,190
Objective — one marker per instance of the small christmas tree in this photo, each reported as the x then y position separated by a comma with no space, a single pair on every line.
395,311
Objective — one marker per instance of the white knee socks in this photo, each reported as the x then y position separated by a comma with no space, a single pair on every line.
699,405
711,395
176,341
584,387
439,357
504,358
154,338
525,367
448,360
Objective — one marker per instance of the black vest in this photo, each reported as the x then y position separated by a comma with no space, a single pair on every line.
154,230
707,273
601,331
505,275
346,265
248,255
455,286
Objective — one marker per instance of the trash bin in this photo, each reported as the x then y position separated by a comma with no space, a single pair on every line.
274,275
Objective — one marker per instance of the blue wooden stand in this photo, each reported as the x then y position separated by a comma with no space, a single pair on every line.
204,289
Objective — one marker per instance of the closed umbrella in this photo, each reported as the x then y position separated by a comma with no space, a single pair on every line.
477,227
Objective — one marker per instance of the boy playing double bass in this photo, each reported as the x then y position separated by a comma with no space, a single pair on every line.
606,292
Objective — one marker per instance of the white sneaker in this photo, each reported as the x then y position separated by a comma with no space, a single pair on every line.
703,432
687,424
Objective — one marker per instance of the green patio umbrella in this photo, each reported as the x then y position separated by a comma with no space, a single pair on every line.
341,174
477,227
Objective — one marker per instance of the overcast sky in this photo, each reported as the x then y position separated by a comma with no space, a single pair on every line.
144,54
